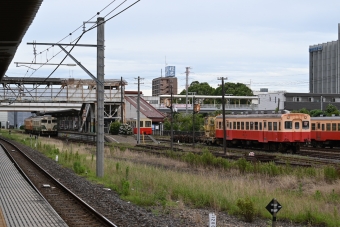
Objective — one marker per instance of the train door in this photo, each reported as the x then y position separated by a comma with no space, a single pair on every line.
319,128
297,129
265,131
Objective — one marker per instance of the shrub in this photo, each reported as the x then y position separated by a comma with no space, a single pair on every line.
125,187
330,174
247,209
243,165
78,168
114,127
125,129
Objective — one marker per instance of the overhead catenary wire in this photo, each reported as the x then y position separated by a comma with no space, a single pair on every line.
77,39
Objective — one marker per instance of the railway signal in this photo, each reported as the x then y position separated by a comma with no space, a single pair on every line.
273,207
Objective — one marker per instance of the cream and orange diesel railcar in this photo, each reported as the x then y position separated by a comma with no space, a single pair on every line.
325,132
273,132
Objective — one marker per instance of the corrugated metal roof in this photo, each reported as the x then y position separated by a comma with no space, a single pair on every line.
148,110
16,16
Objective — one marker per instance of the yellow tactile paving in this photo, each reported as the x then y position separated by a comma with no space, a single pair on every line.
2,219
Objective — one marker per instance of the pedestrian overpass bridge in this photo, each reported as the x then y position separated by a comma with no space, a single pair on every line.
36,94
55,94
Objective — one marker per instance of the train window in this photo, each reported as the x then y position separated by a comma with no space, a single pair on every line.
333,127
318,125
313,126
305,124
251,125
238,125
219,124
297,125
323,127
260,125
147,123
247,125
275,126
288,125
279,126
256,126
141,124
270,126
242,125
328,126
43,121
338,126
265,125
234,125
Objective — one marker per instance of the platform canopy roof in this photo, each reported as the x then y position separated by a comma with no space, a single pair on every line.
16,16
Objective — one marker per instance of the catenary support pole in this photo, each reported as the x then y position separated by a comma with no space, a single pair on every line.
138,113
100,98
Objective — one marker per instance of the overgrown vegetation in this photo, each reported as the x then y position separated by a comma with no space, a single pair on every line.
308,195
329,111
247,209
114,127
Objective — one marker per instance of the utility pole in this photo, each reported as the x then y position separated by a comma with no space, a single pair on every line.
223,113
171,116
121,101
138,111
100,98
186,88
193,121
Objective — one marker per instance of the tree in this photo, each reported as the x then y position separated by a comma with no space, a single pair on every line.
304,110
237,89
316,113
200,89
331,109
183,122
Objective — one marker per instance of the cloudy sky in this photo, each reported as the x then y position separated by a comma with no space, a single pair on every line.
261,43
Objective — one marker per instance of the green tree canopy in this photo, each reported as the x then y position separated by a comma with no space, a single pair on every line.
331,109
316,113
200,89
237,89
183,122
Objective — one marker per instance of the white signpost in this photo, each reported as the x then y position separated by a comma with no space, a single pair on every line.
212,220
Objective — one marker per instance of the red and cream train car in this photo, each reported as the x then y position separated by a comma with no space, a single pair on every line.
325,132
145,126
274,132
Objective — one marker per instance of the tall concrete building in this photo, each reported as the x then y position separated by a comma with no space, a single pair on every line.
324,67
161,86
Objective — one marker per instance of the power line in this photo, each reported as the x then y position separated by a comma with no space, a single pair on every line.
75,40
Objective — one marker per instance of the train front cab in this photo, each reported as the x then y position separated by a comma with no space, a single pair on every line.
145,126
296,128
325,132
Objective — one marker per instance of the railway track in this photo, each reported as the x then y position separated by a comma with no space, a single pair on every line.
104,200
72,209
304,158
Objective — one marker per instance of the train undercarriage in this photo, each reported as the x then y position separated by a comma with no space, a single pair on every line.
324,144
283,147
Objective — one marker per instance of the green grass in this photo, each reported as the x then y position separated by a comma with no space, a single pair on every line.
308,195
